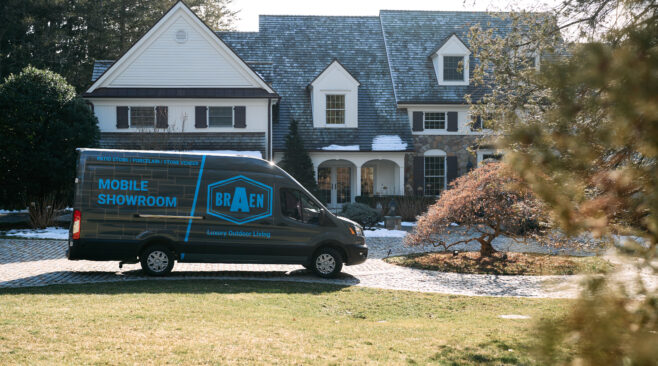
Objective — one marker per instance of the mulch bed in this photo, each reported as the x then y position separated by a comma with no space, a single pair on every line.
504,263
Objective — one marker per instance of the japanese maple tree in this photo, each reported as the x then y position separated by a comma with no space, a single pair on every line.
488,202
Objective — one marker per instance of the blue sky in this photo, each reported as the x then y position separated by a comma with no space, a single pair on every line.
250,9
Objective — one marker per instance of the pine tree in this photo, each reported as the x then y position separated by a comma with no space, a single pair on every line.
296,160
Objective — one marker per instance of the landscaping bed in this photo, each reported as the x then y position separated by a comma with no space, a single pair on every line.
251,322
509,263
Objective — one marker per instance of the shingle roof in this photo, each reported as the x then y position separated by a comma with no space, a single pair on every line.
299,48
411,36
99,68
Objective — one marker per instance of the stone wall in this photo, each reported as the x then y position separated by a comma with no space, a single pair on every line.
453,145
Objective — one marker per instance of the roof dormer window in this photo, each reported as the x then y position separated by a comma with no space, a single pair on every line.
453,68
451,62
335,98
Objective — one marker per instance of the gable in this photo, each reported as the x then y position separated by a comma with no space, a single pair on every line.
336,77
452,46
180,51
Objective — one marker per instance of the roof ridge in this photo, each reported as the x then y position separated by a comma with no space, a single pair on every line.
316,16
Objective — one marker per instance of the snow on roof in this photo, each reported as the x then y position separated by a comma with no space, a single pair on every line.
388,143
341,148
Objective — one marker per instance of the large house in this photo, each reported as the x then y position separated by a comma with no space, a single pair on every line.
379,99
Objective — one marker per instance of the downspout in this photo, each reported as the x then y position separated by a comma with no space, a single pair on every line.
269,130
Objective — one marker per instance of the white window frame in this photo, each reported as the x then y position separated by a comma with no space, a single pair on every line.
445,121
327,109
443,68
130,116
453,47
482,152
436,153
221,106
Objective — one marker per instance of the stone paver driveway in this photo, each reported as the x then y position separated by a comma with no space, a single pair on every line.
25,263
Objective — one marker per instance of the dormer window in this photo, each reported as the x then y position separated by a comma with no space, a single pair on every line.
335,109
453,68
335,98
451,62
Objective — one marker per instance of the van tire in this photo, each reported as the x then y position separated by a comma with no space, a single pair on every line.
157,260
327,262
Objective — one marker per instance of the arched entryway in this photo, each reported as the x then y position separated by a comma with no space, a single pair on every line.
380,177
336,182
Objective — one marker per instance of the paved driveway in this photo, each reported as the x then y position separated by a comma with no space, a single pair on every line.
25,263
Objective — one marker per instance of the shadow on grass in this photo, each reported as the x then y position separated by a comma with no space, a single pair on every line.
494,352
299,281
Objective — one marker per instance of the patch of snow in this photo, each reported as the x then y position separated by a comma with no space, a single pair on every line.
384,233
513,316
408,223
2,212
454,224
388,143
341,148
253,154
47,233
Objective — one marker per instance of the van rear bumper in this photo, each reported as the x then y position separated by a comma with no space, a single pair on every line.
356,254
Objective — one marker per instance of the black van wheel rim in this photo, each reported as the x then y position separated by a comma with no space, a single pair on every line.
325,263
157,261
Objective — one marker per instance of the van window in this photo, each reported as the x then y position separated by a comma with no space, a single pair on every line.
298,206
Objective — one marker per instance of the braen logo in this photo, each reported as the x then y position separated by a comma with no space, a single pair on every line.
239,200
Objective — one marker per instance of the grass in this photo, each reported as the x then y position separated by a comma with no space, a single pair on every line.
249,322
513,264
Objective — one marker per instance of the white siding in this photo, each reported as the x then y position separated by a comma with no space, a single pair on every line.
181,113
335,80
198,62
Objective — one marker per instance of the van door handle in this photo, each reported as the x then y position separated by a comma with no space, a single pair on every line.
146,216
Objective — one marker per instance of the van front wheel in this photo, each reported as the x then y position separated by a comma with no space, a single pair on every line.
327,263
157,260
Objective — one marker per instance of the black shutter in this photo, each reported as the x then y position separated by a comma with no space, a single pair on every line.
477,125
419,176
240,113
451,162
200,117
417,121
452,122
161,117
122,117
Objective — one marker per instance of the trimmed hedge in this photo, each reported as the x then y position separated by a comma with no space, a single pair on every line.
409,207
365,215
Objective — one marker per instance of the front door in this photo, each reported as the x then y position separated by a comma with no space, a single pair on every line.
335,185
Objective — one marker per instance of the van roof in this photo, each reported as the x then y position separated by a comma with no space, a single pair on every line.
224,153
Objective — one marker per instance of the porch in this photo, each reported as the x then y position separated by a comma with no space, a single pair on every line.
341,176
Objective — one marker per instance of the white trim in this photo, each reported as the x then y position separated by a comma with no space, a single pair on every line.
435,152
456,48
482,152
179,9
221,106
130,116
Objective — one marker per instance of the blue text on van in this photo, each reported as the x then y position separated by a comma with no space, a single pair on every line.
131,199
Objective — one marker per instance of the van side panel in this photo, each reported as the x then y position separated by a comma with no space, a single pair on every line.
119,188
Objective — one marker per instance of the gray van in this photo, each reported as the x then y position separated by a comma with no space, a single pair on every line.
158,207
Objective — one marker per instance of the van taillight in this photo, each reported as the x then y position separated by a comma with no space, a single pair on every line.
77,217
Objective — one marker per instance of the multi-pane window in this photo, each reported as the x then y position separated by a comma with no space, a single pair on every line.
453,68
435,120
142,117
335,109
220,116
497,157
435,175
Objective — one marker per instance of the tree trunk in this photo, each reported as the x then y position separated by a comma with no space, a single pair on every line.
486,249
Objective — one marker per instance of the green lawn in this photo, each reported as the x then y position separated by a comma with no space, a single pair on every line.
247,322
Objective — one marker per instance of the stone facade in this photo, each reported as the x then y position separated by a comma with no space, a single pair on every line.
453,145
241,141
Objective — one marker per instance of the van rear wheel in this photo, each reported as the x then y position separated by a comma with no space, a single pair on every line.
327,263
157,260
